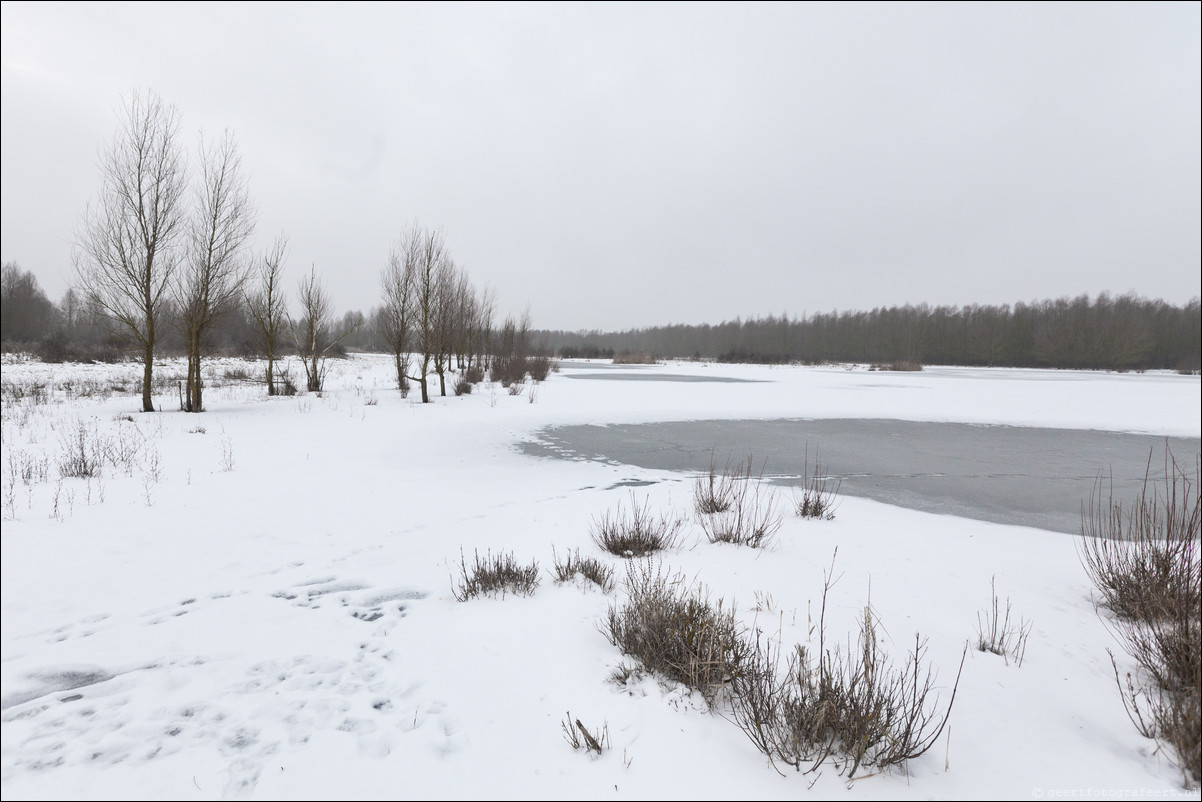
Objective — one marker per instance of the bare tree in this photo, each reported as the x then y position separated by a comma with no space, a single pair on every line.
312,335
125,249
445,320
268,306
429,256
396,315
465,313
210,282
481,327
70,308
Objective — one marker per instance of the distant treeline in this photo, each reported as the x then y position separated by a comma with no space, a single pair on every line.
1108,333
73,329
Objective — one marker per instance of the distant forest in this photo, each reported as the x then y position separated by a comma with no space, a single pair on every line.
1108,333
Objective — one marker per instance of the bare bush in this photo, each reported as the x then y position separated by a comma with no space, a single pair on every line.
850,709
1167,714
714,492
1138,555
1144,560
639,533
675,631
817,499
997,634
539,367
83,452
508,370
590,568
28,468
492,575
462,385
750,517
122,449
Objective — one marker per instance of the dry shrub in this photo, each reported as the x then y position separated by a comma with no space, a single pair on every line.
462,385
1144,560
493,575
539,367
749,517
639,533
998,635
590,568
817,498
83,452
675,631
850,709
714,492
508,370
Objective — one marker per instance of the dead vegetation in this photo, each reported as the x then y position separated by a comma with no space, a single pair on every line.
1143,558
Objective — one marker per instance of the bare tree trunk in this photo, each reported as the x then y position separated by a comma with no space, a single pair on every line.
193,400
147,375
402,370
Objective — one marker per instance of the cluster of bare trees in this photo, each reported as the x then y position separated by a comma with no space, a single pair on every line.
166,241
149,242
164,254
431,315
166,246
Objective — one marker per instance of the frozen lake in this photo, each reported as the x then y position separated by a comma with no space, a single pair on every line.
1027,476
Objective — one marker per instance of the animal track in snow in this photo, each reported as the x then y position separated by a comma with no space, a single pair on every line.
89,714
362,601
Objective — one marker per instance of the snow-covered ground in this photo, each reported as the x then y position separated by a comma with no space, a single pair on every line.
257,602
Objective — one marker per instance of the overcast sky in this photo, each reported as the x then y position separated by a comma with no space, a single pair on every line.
617,166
